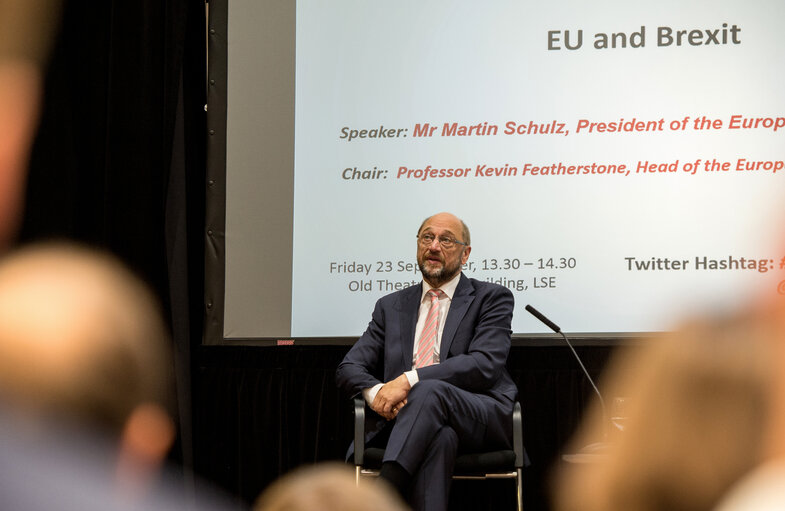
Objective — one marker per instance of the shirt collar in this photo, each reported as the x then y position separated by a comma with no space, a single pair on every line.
448,288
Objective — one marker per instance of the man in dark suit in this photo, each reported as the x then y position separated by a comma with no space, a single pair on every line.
432,366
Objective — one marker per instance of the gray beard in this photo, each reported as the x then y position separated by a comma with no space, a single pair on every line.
438,277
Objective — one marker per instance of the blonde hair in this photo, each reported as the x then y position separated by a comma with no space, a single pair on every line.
328,487
698,399
80,336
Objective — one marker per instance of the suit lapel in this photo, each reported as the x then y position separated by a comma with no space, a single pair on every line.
408,309
463,297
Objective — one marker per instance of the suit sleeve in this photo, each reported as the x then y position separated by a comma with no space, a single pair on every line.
481,361
361,368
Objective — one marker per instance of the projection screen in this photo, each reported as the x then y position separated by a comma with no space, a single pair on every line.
619,165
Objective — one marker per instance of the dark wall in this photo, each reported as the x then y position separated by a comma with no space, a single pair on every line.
261,411
119,158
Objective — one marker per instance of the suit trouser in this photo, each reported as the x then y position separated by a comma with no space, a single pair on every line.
438,420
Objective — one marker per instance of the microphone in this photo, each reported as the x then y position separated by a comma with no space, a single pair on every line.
550,324
553,326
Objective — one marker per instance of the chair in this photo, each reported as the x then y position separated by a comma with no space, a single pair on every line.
503,464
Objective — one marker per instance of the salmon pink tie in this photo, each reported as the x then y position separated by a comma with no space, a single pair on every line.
426,352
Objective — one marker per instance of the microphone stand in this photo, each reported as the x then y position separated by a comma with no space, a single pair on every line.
597,447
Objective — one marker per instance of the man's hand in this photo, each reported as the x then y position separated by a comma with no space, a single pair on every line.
391,397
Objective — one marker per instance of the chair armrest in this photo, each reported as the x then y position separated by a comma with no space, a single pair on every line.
517,435
359,430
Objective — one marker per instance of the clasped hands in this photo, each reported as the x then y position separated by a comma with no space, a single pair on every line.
391,397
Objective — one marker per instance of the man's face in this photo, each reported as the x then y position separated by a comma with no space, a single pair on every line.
438,265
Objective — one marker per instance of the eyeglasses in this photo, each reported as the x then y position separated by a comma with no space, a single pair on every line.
447,243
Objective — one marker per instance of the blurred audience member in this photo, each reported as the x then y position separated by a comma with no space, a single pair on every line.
696,401
27,28
328,487
763,488
81,339
84,371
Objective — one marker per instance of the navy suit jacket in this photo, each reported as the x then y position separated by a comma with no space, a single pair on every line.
474,347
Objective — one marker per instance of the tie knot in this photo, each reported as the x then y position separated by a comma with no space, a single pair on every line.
435,294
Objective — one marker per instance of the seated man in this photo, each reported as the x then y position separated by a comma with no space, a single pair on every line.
432,366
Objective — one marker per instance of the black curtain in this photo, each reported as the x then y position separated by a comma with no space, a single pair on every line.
265,411
119,160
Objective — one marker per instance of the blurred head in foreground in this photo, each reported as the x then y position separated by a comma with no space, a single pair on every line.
763,488
82,343
27,30
328,487
698,400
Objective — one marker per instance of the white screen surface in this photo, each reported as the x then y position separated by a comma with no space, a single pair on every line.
567,217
